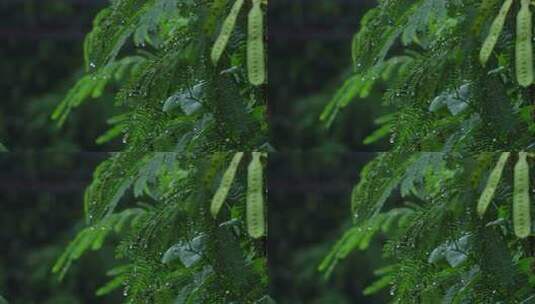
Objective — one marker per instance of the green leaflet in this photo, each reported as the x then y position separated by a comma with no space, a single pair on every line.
360,236
93,85
213,13
360,86
428,12
255,198
92,238
226,183
492,183
524,47
255,45
386,279
115,176
372,43
416,172
375,187
521,201
495,31
226,30
153,20
111,30
120,275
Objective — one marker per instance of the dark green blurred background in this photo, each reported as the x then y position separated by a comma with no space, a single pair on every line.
311,178
40,195
309,57
42,180
41,57
309,210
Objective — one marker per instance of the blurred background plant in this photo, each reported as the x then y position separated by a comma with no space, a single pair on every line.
310,180
308,196
310,52
40,195
42,51
41,192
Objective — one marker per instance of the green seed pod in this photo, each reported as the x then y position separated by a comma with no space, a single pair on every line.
492,184
226,183
255,198
485,9
524,47
494,33
521,200
226,30
255,45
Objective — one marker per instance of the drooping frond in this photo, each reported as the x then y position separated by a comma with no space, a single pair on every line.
359,237
93,237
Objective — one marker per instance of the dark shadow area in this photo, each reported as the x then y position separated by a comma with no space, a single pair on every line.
309,57
42,57
309,208
41,197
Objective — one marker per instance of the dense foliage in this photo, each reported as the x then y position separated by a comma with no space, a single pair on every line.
185,103
461,232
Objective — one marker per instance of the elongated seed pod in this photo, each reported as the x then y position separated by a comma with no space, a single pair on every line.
494,33
255,198
521,201
255,45
226,30
226,182
492,184
486,8
524,47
